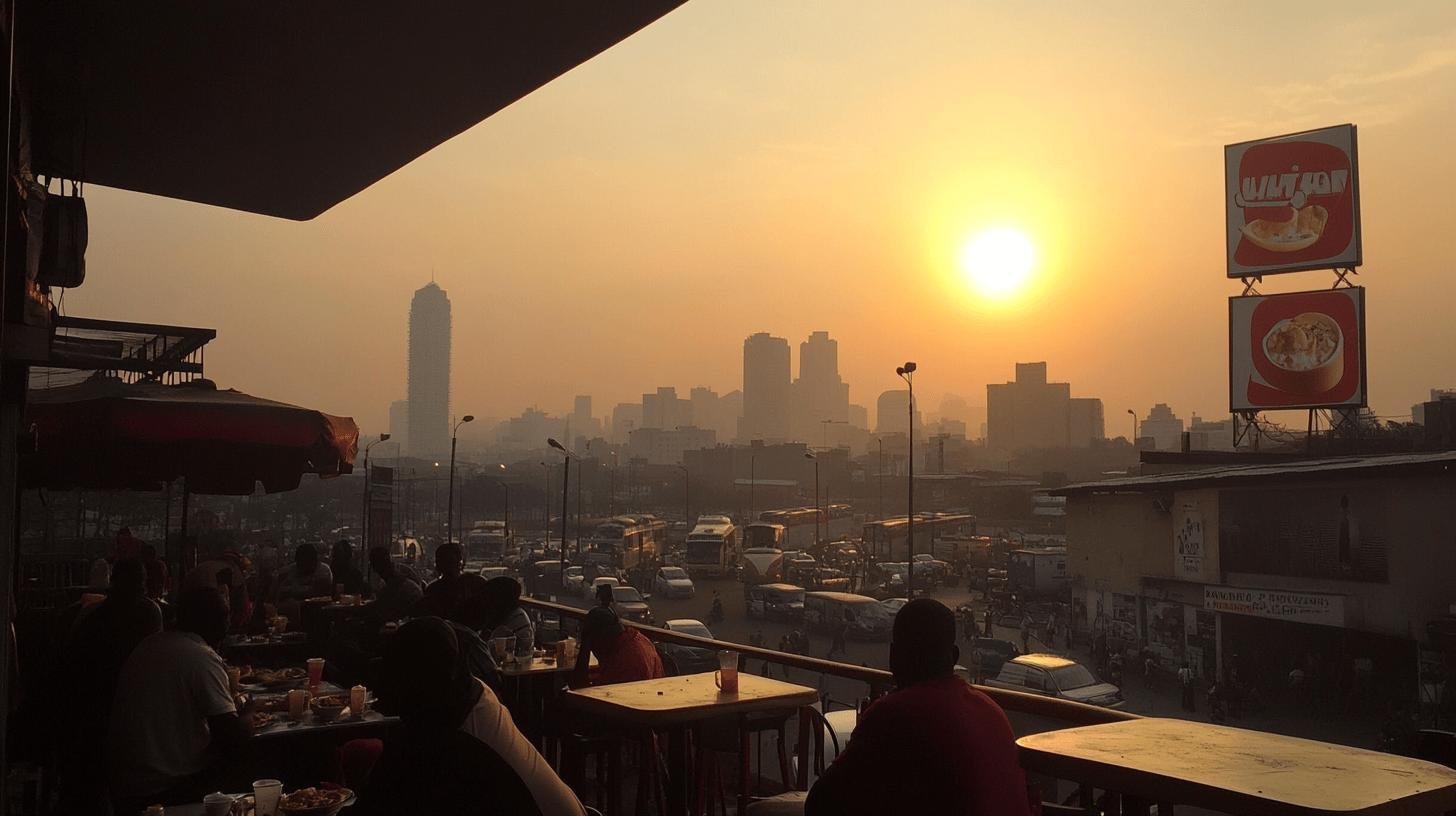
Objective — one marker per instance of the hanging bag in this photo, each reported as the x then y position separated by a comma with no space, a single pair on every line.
63,250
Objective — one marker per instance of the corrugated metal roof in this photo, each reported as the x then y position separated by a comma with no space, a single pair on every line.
1284,471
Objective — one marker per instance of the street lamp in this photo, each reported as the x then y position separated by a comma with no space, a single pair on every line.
435,499
364,520
810,455
1133,414
506,489
565,484
880,472
904,373
687,497
450,503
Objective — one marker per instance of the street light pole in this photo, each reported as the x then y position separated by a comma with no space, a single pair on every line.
810,455
880,472
687,496
364,519
450,503
1133,414
905,371
565,485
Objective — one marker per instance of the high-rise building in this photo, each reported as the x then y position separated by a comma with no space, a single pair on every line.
429,373
859,417
819,396
580,422
399,423
626,418
665,410
1033,413
717,413
1163,427
892,413
765,388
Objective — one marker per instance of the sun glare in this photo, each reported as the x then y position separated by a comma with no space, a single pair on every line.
998,261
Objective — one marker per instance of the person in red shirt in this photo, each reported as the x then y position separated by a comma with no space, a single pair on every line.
934,745
623,653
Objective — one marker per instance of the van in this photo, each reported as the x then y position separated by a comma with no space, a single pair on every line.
774,601
866,618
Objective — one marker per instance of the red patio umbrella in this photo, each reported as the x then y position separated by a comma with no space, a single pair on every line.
105,433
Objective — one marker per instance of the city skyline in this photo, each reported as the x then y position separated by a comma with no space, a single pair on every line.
620,228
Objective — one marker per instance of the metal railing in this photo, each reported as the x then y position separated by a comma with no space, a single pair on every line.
878,680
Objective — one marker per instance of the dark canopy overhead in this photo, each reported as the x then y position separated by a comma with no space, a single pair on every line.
286,107
108,434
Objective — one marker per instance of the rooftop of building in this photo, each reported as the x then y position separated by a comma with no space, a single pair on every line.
1402,464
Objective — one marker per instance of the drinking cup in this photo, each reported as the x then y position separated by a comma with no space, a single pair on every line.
726,677
217,804
502,648
357,696
297,703
266,793
315,671
235,679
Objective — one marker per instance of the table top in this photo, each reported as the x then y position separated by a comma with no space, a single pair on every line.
1239,771
539,665
286,726
687,698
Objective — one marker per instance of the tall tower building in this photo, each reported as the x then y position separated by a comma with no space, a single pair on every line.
429,373
820,397
765,388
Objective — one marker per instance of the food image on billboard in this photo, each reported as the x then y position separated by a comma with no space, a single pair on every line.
1298,350
1292,203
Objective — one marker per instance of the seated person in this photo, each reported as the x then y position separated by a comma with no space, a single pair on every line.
456,749
346,572
174,725
468,619
933,745
398,591
307,578
623,653
504,617
103,637
440,594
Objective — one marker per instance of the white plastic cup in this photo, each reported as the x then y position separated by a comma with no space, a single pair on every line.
266,793
217,804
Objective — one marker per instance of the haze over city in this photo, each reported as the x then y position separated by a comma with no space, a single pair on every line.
736,168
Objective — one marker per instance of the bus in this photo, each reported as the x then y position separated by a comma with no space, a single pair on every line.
488,541
885,540
626,542
764,535
712,546
804,526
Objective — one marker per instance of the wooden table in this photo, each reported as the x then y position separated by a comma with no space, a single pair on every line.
672,704
1238,771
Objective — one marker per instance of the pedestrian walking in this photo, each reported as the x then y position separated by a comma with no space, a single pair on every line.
836,643
988,620
1185,682
1026,633
786,645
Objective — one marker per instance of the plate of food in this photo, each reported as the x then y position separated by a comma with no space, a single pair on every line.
330,706
262,719
315,801
276,678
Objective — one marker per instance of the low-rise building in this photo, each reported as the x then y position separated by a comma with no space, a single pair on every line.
1333,567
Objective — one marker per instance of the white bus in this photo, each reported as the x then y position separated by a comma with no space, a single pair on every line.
712,546
488,541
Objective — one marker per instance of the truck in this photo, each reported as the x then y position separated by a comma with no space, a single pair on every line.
1037,571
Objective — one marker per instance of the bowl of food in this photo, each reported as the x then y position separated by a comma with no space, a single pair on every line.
315,801
329,706
1306,354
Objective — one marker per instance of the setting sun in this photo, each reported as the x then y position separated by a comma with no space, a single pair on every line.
998,261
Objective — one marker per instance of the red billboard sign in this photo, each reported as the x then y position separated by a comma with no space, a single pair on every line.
1297,350
1292,203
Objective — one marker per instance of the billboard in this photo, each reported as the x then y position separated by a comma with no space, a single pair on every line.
1297,350
1292,202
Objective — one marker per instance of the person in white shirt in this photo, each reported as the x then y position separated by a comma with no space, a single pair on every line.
174,724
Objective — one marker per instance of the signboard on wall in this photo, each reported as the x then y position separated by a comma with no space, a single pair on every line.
1297,350
1292,203
1188,548
1277,604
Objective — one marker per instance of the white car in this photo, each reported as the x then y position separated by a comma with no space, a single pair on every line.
673,582
590,591
575,579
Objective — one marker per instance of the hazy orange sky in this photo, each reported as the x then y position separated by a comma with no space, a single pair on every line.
786,167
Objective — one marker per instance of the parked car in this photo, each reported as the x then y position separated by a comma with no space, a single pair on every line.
937,569
1056,676
630,604
689,659
590,590
673,582
774,601
892,605
575,580
987,655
